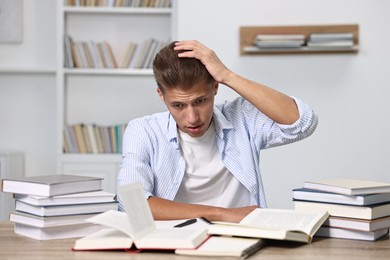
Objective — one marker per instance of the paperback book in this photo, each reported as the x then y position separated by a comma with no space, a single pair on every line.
279,224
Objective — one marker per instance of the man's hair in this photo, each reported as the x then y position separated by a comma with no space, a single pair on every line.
170,71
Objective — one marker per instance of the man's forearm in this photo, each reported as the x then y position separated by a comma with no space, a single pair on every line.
163,209
279,107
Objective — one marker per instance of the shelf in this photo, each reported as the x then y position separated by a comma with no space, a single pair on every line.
124,72
248,34
118,10
28,70
91,158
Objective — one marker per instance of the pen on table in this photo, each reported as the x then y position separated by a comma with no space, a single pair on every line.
186,223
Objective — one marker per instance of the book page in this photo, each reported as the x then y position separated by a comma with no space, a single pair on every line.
114,219
281,220
137,210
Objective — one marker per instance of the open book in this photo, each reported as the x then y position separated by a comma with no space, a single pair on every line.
280,224
137,228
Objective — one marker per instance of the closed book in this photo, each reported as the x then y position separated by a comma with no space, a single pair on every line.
137,228
41,222
51,185
351,234
58,232
279,224
62,210
348,186
347,211
280,37
226,246
330,197
77,198
320,37
358,224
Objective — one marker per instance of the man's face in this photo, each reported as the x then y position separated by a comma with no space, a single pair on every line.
192,109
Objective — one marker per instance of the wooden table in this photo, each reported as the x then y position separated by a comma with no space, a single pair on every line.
15,247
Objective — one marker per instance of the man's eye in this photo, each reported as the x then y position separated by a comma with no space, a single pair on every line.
200,101
178,106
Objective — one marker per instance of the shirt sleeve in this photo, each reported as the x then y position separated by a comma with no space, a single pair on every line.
281,134
135,166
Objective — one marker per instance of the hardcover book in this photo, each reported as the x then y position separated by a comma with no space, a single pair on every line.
348,186
352,234
51,185
330,197
347,211
137,228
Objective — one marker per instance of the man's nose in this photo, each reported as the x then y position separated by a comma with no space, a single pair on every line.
192,115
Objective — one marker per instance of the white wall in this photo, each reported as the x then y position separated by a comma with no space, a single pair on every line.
349,92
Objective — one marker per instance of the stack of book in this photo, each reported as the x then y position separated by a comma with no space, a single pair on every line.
57,206
358,209
277,41
330,41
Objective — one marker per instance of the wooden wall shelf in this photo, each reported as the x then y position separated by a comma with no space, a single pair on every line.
248,34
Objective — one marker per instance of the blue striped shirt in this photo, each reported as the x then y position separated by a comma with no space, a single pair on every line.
151,152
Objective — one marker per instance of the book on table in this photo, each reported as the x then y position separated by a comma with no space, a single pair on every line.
226,246
351,234
136,228
70,199
38,221
358,224
348,186
56,232
330,197
348,211
51,185
61,210
279,224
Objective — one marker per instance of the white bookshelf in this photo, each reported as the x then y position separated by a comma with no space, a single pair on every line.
11,166
105,96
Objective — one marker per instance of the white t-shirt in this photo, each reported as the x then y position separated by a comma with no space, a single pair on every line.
206,180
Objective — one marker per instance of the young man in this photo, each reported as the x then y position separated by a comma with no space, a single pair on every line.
199,159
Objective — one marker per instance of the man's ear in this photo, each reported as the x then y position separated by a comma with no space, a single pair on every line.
161,95
216,84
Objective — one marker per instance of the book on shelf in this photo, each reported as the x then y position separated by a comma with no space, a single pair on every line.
62,210
330,45
56,232
358,224
323,37
279,224
91,138
351,234
120,3
330,197
279,40
42,222
129,54
70,199
91,54
348,211
226,246
51,185
137,227
68,57
348,186
280,37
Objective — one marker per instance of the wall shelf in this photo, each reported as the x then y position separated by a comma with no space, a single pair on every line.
248,34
